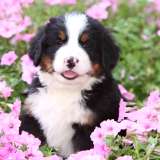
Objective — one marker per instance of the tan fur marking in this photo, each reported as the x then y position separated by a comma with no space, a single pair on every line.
84,38
89,119
96,69
46,64
61,35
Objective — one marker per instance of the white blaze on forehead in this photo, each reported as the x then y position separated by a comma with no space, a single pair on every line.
75,24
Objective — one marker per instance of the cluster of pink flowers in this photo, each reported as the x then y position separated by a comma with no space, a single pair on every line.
8,58
5,90
147,118
139,122
28,69
156,7
12,20
26,37
60,2
99,10
13,145
17,146
153,7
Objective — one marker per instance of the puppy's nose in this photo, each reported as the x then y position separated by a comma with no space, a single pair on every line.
71,62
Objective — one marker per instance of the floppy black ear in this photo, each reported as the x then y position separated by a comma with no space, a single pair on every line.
35,51
110,51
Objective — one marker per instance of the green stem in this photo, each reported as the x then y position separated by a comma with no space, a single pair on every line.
147,157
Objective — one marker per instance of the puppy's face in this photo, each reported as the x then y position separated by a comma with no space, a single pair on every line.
74,46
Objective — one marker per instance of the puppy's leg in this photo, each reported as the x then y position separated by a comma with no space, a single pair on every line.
81,140
32,126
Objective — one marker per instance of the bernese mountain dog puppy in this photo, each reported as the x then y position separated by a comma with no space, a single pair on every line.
74,90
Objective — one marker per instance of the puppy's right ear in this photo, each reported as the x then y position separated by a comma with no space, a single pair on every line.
35,51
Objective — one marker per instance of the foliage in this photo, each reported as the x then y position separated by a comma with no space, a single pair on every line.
136,28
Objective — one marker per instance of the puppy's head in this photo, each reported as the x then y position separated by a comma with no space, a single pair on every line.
74,46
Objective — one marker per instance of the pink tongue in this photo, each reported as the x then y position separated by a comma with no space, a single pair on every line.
70,74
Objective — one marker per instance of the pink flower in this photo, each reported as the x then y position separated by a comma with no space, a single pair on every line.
158,32
7,29
153,101
5,91
147,120
14,145
23,24
16,107
54,157
127,95
98,136
22,37
125,158
145,37
102,149
157,5
113,4
8,58
86,155
12,19
132,115
110,127
158,23
26,3
60,2
28,69
145,126
9,124
98,11
122,109
148,114
129,125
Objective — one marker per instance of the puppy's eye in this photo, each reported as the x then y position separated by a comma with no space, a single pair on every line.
84,38
61,39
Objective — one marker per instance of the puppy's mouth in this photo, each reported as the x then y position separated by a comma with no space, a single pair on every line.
70,75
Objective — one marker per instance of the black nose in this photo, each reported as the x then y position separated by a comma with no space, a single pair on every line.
71,62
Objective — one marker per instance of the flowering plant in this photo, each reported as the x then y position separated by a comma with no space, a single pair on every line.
136,25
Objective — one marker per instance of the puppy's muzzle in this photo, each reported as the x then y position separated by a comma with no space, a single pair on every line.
71,62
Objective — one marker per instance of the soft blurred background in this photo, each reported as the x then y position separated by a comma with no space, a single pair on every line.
135,25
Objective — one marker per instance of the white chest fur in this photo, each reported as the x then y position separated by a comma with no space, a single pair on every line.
57,109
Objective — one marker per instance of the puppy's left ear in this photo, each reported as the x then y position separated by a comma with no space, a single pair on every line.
110,51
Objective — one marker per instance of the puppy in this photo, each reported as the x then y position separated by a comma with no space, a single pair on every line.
74,91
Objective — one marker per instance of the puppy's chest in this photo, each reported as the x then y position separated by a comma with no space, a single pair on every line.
59,105
56,111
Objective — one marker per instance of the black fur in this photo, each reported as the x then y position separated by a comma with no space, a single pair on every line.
101,46
104,97
31,125
34,86
81,139
46,40
103,100
35,51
